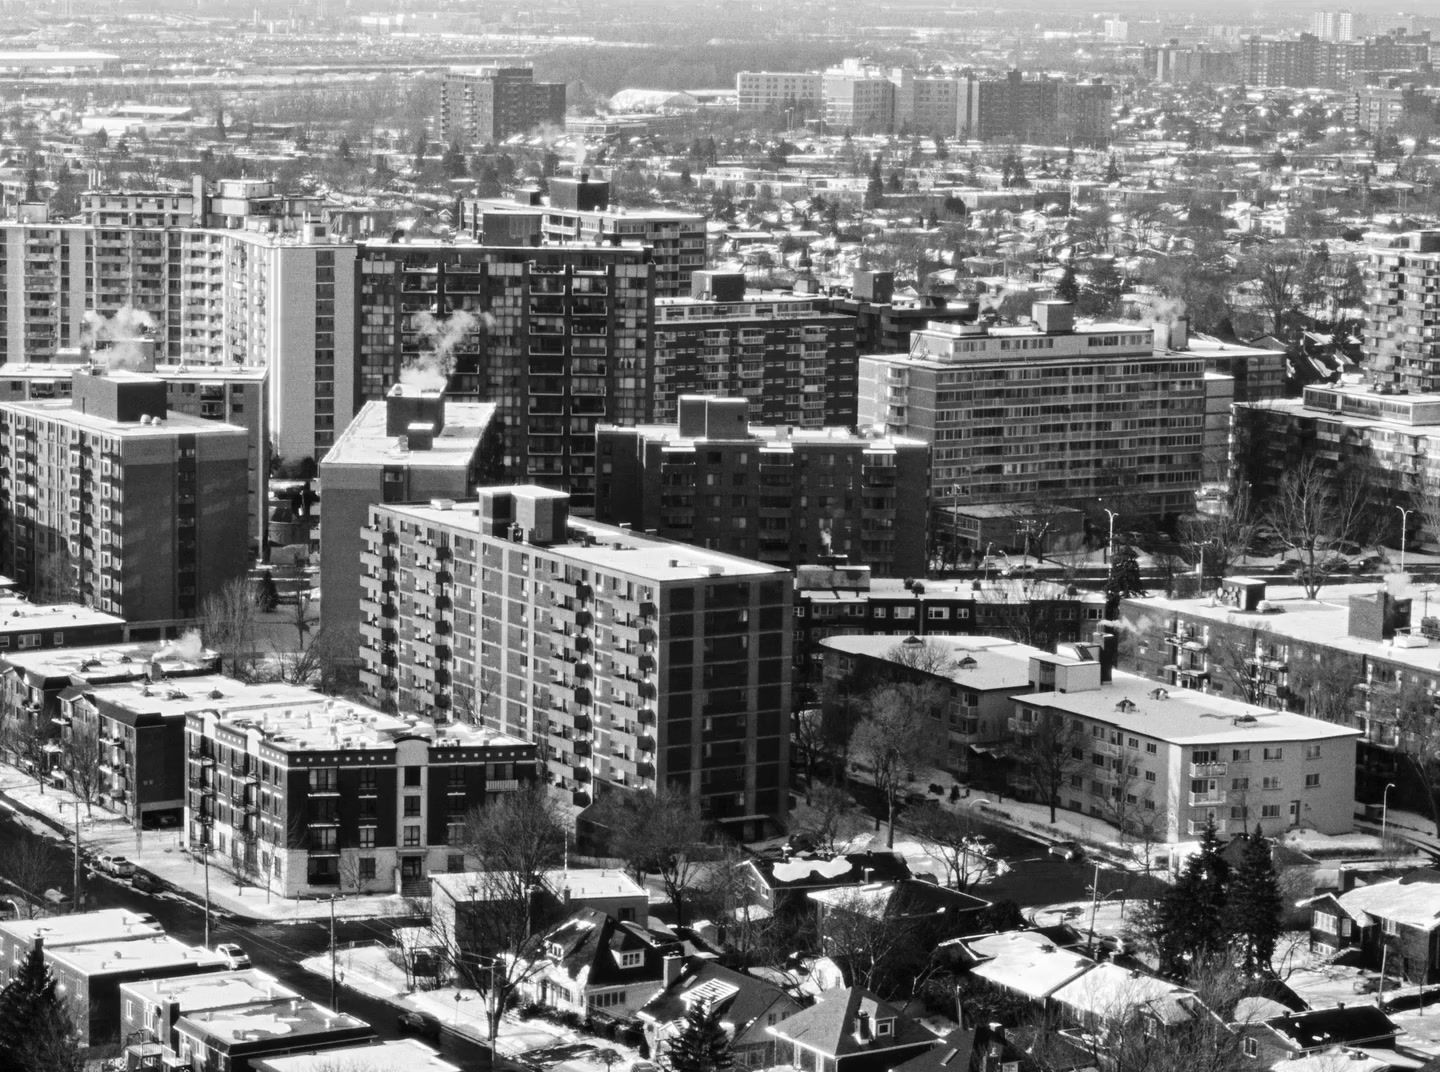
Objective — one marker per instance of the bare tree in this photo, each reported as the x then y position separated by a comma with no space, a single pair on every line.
1322,684
893,738
24,740
1237,658
81,762
808,736
1411,703
658,833
320,663
1312,510
879,948
1125,804
830,805
31,867
227,623
1215,542
950,837
1047,752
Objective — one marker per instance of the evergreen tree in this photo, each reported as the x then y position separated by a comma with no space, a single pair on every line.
342,151
1017,173
1103,288
875,188
1067,289
1254,904
1123,581
269,595
32,191
1112,172
701,1045
36,1034
893,184
1007,170
454,161
1190,918
419,151
220,123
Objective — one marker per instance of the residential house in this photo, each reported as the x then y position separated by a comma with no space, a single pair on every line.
982,1048
849,1030
1108,996
592,962
784,885
933,912
1394,924
1025,963
747,1006
1309,1034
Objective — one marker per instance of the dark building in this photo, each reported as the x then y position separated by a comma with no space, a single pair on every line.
488,104
882,324
778,495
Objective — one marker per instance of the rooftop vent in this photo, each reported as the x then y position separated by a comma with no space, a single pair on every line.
1125,706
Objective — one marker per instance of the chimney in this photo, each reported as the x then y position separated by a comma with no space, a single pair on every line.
862,1026
1109,645
673,965
1180,333
406,405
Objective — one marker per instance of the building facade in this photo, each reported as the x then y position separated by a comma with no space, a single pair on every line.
324,796
789,355
482,105
1053,412
1402,279
107,496
772,494
765,91
628,660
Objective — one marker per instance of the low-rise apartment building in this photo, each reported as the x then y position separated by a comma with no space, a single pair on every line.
150,1008
305,795
775,494
627,659
232,1040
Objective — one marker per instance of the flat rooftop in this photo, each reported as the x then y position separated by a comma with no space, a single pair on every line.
107,924
19,615
998,590
61,369
404,1055
774,439
366,443
329,725
137,955
615,549
998,663
115,661
221,990
61,411
250,1023
208,692
1323,621
1183,716
583,883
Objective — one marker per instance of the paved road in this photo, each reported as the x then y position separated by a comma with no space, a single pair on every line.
274,947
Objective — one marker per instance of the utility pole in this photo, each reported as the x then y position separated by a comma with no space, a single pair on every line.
205,855
79,897
332,950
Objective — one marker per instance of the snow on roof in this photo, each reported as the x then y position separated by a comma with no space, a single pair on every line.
1412,899
1109,992
797,869
1026,962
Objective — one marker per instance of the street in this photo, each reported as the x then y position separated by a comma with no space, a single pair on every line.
276,948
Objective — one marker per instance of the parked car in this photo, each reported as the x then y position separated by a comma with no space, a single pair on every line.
1067,850
145,882
235,957
57,898
411,1022
114,865
982,846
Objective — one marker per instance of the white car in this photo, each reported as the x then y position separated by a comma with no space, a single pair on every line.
115,865
235,957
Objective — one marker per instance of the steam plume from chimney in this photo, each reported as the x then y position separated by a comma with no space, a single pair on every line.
122,331
430,371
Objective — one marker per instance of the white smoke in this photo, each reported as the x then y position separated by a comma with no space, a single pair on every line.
188,648
430,371
1155,309
122,335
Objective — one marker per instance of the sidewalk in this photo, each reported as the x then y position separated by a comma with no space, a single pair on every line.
369,970
52,814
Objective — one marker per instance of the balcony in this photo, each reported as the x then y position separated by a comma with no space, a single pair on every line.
502,785
1018,726
1209,798
1207,770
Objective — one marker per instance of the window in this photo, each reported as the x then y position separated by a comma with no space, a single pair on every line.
367,837
324,779
455,864
367,867
367,780
1238,812
1312,781
1274,755
412,805
1270,811
1270,782
1239,785
1151,748
607,1001
1251,1047
884,1027
1240,755
1390,927
1326,923
455,834
1149,775
937,613
412,776
1312,751
631,960
412,836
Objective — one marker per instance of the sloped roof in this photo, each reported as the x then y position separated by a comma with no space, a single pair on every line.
829,1026
740,998
1321,1028
590,939
954,1054
1412,899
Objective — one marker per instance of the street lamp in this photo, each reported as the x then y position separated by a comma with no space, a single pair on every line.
1384,812
1404,520
1095,900
1110,542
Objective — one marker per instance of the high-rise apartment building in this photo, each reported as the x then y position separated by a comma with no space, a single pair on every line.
488,104
414,446
765,91
45,267
775,494
1402,287
111,498
557,337
789,355
579,211
1034,109
1333,25
630,661
1308,61
323,796
1051,412
859,97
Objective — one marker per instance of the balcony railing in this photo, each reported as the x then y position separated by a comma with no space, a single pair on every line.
1207,770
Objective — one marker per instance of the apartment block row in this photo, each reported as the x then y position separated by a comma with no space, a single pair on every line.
1160,762
1309,61
626,659
866,98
